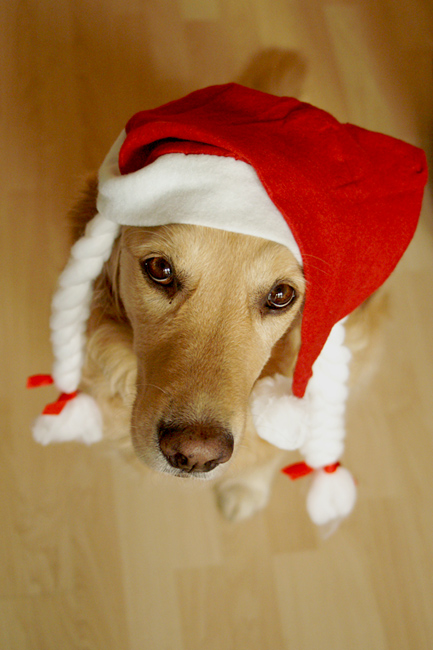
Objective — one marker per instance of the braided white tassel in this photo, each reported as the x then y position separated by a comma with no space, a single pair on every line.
331,496
315,424
71,302
80,419
327,393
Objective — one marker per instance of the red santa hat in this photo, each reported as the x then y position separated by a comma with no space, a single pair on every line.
344,200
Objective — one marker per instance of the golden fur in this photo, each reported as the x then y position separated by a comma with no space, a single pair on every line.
192,357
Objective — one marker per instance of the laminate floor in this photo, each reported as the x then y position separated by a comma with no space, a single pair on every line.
96,555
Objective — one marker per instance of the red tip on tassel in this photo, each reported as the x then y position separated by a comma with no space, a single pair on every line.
57,407
330,469
298,470
39,380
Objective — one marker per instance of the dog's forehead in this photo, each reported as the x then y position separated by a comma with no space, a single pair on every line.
191,246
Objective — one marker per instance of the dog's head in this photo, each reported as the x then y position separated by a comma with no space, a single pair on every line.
206,308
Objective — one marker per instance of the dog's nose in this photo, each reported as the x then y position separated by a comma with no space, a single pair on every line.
195,447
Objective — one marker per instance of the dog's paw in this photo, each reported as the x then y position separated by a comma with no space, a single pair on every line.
240,500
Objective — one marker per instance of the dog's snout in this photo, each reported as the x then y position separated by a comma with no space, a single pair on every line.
195,447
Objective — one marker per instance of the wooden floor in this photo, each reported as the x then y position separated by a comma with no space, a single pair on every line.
96,555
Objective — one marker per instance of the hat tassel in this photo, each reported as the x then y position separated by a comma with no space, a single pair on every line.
74,415
314,424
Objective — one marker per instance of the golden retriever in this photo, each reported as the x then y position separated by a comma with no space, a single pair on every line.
184,320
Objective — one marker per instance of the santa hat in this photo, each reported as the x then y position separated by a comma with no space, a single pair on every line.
344,200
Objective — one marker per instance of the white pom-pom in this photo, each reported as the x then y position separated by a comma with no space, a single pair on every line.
279,417
79,420
331,496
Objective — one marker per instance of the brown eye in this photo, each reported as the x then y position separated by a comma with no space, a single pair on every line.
280,296
158,269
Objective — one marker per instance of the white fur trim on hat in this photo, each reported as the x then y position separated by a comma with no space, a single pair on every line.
200,189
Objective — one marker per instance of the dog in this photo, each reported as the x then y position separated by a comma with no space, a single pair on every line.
221,271
184,320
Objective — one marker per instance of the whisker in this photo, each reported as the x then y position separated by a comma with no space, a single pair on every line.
318,268
158,388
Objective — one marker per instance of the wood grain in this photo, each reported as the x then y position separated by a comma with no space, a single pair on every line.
95,554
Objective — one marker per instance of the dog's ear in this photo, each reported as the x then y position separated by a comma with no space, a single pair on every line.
85,208
106,296
112,271
285,352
